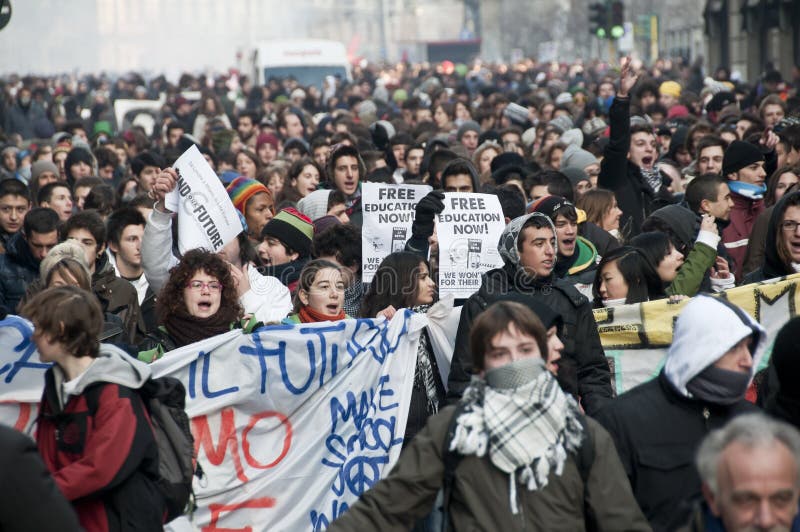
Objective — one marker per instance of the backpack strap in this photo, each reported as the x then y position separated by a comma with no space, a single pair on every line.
451,459
92,396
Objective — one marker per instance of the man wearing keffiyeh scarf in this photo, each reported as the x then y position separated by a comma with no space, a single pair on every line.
527,247
519,437
629,167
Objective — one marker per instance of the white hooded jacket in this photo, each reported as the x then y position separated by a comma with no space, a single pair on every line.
706,329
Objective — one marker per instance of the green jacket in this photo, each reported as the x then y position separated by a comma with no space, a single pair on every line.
691,274
480,498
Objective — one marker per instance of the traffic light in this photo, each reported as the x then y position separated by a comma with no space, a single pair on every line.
616,28
598,19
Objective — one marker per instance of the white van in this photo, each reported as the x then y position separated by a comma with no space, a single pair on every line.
307,60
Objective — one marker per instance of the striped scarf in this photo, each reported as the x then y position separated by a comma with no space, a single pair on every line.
527,429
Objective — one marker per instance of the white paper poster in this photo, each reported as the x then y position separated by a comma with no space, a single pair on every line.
468,229
206,216
388,214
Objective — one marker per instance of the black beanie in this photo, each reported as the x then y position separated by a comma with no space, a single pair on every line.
738,155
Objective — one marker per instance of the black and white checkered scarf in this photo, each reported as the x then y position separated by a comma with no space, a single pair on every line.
425,370
527,429
652,178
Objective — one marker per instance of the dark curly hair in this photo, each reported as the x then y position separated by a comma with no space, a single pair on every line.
171,301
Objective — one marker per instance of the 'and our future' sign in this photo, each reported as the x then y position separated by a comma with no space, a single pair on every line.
468,230
388,211
206,216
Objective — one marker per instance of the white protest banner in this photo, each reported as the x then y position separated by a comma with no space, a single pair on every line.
388,214
206,216
468,230
636,338
291,423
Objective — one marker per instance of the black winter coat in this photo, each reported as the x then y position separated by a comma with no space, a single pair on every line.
18,269
579,333
30,499
622,177
657,432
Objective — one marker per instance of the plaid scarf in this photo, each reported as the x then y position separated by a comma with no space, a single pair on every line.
424,376
528,428
353,295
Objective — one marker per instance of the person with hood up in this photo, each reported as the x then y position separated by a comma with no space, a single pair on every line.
577,256
520,447
528,248
94,432
782,249
628,167
658,426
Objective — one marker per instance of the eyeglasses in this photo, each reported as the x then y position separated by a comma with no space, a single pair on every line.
790,226
211,286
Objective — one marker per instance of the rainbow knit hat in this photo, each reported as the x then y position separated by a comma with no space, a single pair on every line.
293,228
242,189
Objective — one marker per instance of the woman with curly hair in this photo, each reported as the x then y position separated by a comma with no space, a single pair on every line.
198,301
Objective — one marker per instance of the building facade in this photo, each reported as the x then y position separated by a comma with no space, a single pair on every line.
748,36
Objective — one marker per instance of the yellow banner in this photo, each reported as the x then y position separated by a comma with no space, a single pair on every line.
636,337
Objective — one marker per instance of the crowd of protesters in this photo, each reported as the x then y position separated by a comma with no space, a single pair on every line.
619,184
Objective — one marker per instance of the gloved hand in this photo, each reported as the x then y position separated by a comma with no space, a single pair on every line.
427,209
